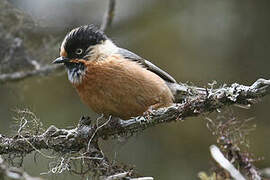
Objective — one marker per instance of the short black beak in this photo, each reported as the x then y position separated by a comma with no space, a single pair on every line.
60,60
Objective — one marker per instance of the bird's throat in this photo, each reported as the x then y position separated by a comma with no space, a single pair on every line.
76,72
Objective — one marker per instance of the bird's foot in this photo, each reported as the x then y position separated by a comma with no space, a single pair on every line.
84,120
147,114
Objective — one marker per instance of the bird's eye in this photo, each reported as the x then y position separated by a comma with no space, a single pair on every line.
79,51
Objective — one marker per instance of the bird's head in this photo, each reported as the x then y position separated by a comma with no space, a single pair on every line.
83,44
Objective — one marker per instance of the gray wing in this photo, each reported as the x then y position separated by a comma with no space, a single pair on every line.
148,65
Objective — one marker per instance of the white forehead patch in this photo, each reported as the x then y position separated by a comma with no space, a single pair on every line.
62,49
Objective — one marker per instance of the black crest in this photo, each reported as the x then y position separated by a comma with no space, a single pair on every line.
83,37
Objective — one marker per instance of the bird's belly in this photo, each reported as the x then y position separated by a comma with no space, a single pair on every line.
113,99
122,91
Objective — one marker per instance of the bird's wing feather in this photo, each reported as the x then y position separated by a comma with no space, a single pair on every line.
147,64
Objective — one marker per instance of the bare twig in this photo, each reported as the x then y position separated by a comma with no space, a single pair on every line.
223,162
117,176
108,17
42,71
124,175
143,178
232,140
97,128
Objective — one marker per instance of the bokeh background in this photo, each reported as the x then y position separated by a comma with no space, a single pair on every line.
195,41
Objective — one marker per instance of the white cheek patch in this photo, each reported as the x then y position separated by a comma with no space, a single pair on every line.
107,48
100,51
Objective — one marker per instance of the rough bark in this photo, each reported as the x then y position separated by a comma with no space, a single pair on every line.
75,139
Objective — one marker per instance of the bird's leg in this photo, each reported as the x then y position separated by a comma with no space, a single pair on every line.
84,120
149,111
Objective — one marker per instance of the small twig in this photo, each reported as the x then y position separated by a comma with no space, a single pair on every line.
126,174
223,162
97,128
143,178
108,17
37,150
117,176
22,124
42,71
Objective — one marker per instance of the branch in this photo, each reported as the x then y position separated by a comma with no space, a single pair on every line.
83,139
108,17
63,140
42,71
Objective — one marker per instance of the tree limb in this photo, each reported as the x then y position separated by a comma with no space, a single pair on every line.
84,138
63,140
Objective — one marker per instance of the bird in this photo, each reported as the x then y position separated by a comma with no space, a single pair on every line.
111,80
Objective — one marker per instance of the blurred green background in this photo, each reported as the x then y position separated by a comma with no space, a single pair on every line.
195,41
